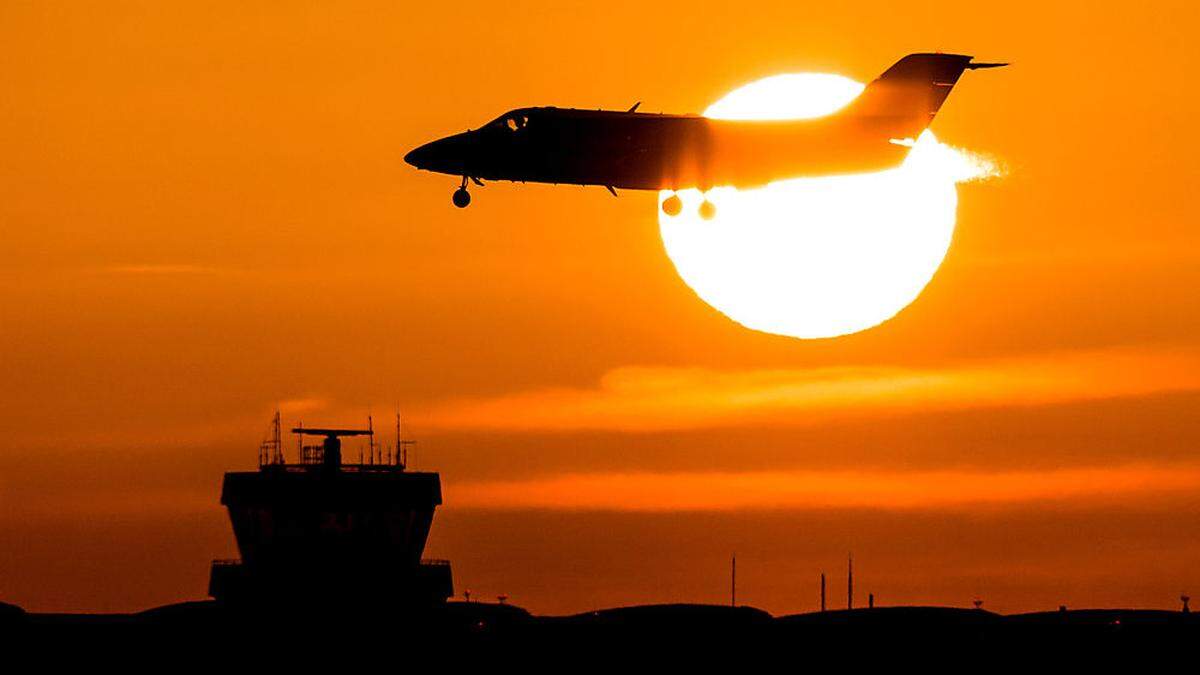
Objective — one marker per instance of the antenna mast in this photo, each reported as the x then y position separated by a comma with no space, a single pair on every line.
850,581
733,581
276,440
401,446
822,591
270,451
371,437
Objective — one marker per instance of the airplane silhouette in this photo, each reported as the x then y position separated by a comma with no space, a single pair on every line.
648,151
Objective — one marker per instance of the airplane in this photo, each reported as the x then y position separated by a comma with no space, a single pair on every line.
633,150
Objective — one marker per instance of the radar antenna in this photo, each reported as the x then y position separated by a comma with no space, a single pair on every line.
331,447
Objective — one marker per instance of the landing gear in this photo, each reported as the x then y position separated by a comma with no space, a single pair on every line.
672,205
462,198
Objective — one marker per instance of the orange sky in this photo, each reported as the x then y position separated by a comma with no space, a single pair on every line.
204,212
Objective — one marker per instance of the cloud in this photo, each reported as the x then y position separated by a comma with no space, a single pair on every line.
294,406
163,270
723,491
641,399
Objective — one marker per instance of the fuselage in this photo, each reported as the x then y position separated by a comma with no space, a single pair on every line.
647,151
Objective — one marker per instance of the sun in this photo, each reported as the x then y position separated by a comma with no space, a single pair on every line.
818,257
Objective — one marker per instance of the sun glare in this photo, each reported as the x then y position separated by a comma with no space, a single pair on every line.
818,257
788,96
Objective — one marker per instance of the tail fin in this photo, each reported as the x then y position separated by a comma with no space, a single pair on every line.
907,96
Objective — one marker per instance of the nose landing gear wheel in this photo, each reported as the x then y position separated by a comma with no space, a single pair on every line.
461,198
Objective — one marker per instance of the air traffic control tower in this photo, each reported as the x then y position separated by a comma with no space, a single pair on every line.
326,531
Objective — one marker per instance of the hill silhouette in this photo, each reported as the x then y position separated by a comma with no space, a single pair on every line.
676,628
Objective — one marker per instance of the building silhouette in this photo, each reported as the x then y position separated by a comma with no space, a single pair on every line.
324,531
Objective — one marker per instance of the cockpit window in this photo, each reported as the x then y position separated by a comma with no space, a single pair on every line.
512,122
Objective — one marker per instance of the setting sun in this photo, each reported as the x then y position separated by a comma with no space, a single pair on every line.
818,257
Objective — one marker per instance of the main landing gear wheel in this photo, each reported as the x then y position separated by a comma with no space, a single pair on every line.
708,210
672,205
461,197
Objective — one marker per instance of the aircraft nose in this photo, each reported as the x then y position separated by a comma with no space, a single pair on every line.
419,156
445,155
